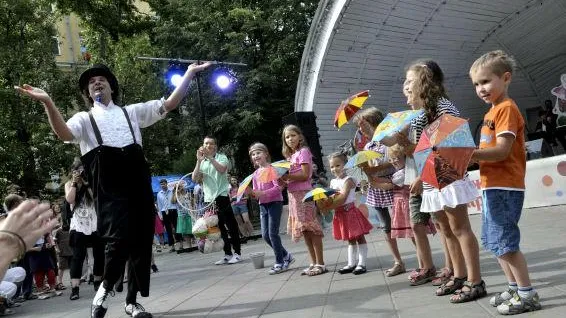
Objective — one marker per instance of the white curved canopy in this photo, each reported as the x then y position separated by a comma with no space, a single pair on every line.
356,45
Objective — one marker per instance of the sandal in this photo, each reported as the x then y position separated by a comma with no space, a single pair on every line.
60,286
424,276
398,268
445,289
307,270
317,270
469,292
414,273
442,277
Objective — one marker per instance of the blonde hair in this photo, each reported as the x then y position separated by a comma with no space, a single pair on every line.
498,62
428,85
287,151
372,115
261,147
340,155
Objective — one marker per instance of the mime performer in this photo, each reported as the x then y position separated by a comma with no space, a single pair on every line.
111,151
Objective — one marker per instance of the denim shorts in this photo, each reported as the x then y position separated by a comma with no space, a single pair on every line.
239,209
500,224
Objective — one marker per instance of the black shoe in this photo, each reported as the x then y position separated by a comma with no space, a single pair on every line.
137,311
90,279
97,309
154,268
346,269
96,284
360,269
74,293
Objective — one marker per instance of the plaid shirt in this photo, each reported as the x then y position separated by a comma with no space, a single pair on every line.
377,197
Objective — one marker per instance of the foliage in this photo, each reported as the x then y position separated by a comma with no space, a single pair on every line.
267,35
28,150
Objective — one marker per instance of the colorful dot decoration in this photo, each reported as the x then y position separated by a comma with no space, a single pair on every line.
561,167
548,181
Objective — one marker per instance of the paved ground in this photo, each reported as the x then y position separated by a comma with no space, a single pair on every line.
189,286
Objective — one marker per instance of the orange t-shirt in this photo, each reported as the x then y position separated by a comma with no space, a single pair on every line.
509,173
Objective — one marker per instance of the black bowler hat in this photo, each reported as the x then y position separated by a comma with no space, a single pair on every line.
98,70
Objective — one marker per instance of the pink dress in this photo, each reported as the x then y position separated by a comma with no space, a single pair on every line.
400,218
302,215
158,225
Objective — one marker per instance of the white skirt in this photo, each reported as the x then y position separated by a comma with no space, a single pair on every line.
459,192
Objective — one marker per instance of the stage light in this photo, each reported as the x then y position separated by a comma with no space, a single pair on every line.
175,79
223,82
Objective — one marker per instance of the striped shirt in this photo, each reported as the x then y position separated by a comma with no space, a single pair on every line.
418,124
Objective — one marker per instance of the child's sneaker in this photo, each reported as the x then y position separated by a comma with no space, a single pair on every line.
518,305
500,298
287,261
224,260
235,259
276,269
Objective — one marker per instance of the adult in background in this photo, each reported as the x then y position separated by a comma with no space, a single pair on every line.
167,211
215,187
83,229
110,142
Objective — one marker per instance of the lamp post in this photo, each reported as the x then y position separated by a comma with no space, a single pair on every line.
222,83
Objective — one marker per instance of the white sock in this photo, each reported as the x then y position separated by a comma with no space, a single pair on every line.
97,300
526,292
363,254
352,251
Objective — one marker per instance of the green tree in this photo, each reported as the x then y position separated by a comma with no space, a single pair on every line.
29,152
267,35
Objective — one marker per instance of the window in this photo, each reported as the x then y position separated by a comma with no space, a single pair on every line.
55,46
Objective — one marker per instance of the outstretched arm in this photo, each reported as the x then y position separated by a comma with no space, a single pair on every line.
181,90
55,118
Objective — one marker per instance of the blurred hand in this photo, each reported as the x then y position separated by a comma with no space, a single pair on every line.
30,220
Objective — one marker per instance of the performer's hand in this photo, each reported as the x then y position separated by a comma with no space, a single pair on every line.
195,68
33,92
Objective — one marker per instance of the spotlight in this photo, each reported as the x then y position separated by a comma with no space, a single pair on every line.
223,82
176,79
224,79
174,74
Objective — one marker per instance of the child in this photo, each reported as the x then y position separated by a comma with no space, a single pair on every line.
184,223
349,224
64,253
42,266
502,173
240,209
302,215
378,201
270,206
424,89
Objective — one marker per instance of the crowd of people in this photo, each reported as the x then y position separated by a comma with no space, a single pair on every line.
403,205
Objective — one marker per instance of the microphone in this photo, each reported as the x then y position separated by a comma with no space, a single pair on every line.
98,97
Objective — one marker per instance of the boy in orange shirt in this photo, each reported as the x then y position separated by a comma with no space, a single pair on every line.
502,160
